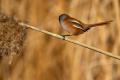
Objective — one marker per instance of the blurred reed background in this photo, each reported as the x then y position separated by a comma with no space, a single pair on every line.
47,58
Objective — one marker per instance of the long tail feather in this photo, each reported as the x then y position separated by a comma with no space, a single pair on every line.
99,24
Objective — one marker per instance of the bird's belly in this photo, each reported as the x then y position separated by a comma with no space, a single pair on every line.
77,31
71,29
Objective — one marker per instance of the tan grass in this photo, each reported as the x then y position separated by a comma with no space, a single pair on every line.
46,58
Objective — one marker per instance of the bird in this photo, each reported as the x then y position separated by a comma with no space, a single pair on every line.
76,27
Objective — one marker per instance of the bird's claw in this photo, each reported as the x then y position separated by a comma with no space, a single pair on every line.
64,36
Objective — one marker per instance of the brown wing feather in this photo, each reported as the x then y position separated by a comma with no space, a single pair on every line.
77,24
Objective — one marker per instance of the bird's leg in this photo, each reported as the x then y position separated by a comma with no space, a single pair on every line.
64,36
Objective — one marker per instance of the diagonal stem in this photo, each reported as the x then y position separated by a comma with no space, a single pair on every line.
71,41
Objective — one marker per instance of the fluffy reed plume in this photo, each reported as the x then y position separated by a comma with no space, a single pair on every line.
12,36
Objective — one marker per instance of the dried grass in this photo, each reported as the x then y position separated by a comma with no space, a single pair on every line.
46,58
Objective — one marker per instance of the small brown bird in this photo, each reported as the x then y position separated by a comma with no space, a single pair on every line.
76,27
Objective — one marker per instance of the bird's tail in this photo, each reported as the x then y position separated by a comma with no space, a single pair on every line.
99,24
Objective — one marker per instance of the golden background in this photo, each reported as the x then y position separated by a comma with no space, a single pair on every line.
48,58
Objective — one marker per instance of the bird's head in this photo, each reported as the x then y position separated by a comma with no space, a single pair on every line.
63,17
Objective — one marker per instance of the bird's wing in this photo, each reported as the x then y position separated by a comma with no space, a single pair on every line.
77,24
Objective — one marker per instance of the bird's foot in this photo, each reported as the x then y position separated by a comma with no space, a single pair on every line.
64,36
